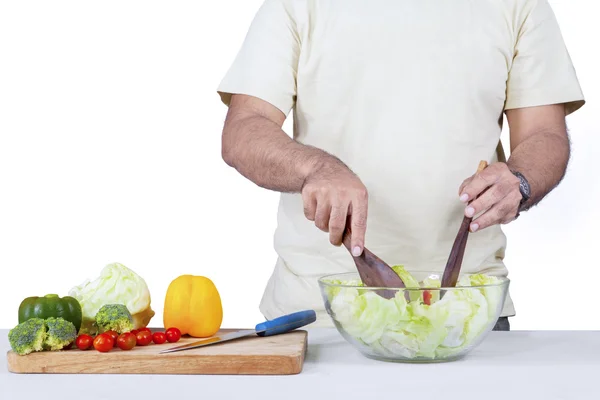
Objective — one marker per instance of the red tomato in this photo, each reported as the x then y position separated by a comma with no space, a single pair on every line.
84,342
427,297
135,331
114,335
126,341
159,337
103,343
144,329
173,335
144,338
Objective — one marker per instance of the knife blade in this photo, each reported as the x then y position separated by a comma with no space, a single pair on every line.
276,326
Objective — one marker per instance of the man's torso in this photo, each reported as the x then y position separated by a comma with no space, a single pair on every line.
410,95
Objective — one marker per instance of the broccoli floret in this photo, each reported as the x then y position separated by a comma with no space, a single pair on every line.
115,317
88,327
28,336
61,334
37,334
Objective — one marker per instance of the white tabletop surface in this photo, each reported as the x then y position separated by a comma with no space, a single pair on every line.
507,365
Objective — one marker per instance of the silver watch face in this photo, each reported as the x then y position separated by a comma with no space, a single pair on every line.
524,187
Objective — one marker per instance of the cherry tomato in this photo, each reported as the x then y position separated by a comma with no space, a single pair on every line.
144,329
103,343
427,297
134,331
159,337
173,335
126,341
84,342
144,338
114,335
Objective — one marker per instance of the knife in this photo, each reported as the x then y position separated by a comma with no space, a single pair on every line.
276,326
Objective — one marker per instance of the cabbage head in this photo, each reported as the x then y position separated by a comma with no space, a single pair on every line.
116,284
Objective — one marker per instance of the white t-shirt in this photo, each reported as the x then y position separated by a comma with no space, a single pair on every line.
410,95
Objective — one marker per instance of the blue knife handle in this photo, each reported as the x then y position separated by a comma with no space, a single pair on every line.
286,323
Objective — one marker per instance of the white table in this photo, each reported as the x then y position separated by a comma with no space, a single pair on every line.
508,365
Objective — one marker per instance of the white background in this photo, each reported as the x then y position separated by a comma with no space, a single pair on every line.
110,151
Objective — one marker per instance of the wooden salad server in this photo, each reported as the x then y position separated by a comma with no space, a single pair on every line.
373,271
452,270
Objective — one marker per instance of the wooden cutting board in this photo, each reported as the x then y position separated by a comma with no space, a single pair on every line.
275,355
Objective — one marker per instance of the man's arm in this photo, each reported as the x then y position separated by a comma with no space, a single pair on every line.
539,150
540,147
255,145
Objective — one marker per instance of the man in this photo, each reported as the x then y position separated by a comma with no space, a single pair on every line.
395,102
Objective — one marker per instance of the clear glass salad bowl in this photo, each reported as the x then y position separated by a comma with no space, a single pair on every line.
422,323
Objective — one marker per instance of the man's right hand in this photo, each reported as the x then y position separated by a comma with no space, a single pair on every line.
255,144
334,196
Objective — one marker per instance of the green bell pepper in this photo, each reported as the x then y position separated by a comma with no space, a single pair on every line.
51,305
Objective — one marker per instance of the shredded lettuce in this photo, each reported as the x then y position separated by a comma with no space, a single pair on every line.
413,329
409,281
406,277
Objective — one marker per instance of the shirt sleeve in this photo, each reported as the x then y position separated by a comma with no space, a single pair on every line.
266,65
542,72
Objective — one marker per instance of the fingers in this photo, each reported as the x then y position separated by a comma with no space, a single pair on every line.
486,200
463,185
493,194
500,213
476,185
310,205
359,223
329,208
322,215
337,222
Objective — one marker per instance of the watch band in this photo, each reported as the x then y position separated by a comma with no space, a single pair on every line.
525,190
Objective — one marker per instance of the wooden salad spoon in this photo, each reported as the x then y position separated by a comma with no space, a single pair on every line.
373,271
452,270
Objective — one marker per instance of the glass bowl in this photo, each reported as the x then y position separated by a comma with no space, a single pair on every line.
416,325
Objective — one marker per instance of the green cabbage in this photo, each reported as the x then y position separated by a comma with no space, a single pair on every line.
116,284
395,327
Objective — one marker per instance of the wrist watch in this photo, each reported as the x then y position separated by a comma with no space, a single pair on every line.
524,188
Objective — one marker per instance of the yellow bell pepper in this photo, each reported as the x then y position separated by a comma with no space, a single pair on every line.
193,305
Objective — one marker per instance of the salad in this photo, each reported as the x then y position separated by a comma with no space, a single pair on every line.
428,323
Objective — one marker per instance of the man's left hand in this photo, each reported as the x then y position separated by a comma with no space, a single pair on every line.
499,196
